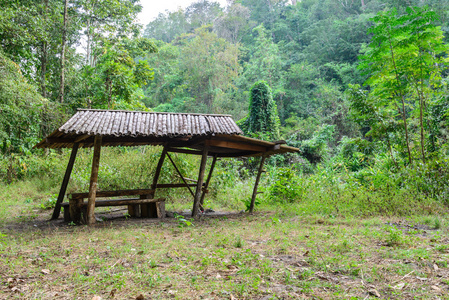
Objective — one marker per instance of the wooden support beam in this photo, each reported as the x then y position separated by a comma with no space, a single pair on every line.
81,138
235,145
174,185
93,181
188,179
256,184
65,182
196,199
185,151
158,171
206,185
179,172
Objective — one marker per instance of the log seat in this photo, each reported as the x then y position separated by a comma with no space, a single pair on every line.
145,206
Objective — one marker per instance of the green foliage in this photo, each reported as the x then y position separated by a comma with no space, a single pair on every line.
119,73
182,221
263,116
285,186
356,153
316,149
394,237
247,203
23,110
49,203
405,61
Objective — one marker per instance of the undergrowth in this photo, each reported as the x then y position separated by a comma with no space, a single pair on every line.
329,191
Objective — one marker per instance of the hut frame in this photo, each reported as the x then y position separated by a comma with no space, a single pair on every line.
212,136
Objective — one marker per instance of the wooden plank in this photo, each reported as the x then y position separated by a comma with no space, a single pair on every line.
196,199
112,193
75,210
144,207
122,202
206,185
93,181
134,210
182,177
65,182
235,145
256,184
160,209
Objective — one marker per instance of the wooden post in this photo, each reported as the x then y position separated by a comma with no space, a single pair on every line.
65,182
148,210
256,184
199,184
93,181
158,170
206,185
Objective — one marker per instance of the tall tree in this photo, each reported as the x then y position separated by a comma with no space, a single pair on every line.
210,65
263,117
405,61
63,46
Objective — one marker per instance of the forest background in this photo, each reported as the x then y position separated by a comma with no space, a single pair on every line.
360,87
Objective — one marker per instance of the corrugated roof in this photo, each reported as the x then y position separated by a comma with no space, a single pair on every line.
136,123
177,131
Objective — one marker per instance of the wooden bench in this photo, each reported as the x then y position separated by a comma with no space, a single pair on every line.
145,206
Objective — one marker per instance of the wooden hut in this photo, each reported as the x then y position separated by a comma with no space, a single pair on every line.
196,134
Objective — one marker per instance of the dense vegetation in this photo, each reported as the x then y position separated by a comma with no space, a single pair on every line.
359,87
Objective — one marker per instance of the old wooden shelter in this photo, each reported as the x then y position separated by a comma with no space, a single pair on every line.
196,134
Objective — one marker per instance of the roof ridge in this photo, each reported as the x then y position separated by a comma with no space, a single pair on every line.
151,112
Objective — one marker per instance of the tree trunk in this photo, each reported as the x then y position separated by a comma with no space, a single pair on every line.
44,56
404,116
63,45
44,69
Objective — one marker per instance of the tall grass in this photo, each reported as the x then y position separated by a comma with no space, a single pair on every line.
330,191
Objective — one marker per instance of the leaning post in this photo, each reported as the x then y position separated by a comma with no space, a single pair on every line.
256,184
90,218
158,170
199,184
65,182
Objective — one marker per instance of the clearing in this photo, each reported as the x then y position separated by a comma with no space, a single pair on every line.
232,256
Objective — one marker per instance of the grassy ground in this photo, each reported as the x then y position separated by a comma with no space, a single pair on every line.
234,256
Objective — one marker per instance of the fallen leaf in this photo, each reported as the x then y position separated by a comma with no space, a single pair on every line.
112,293
399,286
96,298
45,271
421,278
233,298
434,287
232,267
140,297
218,276
306,253
435,267
374,292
